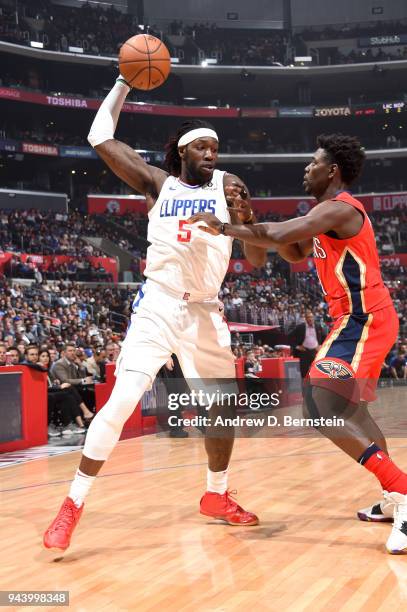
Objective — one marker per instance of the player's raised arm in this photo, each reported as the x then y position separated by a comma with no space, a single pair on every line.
126,163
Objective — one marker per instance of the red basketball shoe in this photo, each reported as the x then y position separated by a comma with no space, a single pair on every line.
58,534
225,508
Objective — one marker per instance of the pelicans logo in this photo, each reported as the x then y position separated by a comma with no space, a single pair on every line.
334,369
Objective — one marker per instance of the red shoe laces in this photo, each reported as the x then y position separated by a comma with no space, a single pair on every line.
65,517
230,496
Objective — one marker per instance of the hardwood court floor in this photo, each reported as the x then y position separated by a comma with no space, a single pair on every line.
142,545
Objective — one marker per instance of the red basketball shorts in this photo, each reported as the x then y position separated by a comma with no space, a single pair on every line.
351,357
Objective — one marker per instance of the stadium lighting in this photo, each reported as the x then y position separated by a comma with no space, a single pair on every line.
204,63
36,45
302,60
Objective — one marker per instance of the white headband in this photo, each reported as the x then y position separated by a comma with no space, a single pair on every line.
198,133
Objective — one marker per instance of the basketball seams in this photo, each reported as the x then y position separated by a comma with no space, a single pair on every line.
136,61
145,60
158,48
149,51
161,73
149,61
135,48
138,74
149,73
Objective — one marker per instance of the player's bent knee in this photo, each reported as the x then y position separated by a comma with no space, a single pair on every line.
105,429
309,406
324,402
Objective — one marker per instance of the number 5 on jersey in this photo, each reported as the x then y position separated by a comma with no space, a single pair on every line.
184,233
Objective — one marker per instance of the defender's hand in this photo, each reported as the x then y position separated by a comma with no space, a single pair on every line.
212,226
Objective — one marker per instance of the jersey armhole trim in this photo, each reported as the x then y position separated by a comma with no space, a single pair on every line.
363,214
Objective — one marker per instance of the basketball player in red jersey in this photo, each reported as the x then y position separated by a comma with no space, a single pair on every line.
177,309
344,373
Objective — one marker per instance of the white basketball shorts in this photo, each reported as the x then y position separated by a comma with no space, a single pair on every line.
163,324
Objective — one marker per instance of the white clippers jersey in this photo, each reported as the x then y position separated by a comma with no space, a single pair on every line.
181,257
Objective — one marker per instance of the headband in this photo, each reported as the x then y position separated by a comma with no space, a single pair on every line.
198,133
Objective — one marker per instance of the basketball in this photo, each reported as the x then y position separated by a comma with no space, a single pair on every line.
144,62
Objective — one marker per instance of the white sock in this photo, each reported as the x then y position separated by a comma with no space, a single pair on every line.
80,487
217,482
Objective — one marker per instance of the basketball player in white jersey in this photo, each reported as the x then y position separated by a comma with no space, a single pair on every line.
177,309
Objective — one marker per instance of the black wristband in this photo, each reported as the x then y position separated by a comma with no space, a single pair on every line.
120,79
223,228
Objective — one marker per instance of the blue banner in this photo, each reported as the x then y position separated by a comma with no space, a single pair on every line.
10,145
295,111
383,41
81,152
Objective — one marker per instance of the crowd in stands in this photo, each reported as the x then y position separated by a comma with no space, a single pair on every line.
348,30
248,138
47,233
101,31
55,309
235,47
71,331
43,136
62,311
97,30
39,232
79,269
391,231
359,56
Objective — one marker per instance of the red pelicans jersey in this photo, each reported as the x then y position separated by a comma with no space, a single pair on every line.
349,269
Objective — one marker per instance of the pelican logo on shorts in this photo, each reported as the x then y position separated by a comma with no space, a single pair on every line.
334,369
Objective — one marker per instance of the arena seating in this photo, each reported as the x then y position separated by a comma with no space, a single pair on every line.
100,31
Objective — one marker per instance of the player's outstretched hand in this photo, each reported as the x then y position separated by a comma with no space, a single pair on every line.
213,225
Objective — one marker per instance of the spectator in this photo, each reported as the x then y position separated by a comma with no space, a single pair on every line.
96,363
14,355
64,404
173,379
112,352
21,349
398,365
31,354
306,339
67,370
3,358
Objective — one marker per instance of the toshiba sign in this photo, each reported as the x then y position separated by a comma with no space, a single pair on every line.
332,111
